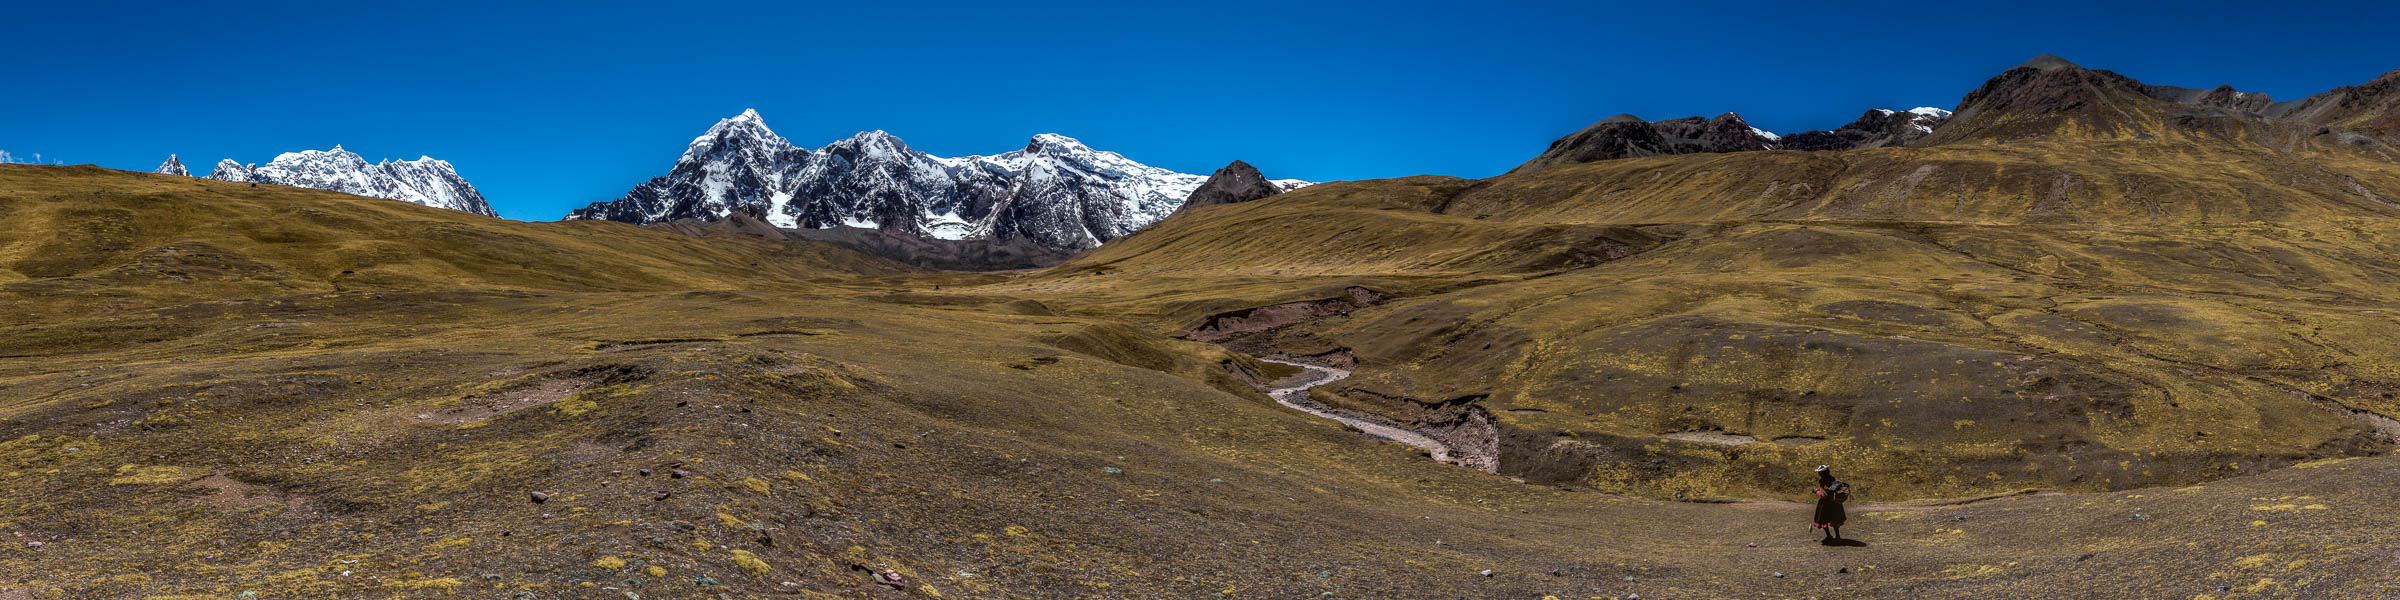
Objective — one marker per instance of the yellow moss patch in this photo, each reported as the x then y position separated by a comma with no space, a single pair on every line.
750,562
609,562
797,476
730,520
443,583
137,474
575,407
2324,462
450,542
658,571
755,484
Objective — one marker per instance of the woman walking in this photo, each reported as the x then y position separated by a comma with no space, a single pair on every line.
1831,493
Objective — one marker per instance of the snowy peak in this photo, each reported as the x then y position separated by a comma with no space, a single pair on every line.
1055,191
228,170
1056,145
172,167
426,180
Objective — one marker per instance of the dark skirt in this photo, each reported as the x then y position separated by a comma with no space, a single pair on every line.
1829,513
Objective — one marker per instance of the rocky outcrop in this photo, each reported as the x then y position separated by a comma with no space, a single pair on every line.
1237,182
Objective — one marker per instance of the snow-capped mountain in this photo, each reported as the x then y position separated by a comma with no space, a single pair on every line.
426,180
172,167
1876,128
1055,191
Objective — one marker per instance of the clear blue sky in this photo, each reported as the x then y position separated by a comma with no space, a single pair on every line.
546,108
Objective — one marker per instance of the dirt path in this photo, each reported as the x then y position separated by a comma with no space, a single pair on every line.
1295,395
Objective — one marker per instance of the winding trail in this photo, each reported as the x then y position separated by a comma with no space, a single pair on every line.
1295,395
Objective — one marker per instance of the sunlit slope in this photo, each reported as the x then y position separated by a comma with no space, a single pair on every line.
2162,303
1922,358
1384,234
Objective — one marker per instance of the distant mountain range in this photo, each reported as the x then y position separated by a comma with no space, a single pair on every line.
426,180
1627,136
2032,99
1055,192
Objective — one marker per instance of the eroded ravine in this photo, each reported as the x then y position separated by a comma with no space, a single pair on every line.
1294,394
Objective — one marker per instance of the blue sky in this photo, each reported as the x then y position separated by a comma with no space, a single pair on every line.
547,107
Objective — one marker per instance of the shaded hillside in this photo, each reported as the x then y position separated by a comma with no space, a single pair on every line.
902,247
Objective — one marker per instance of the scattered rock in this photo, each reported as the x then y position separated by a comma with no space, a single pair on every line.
889,578
1778,574
704,581
679,474
644,472
1842,570
1112,470
662,496
1487,572
539,497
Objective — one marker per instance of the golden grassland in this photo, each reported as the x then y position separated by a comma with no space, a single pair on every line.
209,389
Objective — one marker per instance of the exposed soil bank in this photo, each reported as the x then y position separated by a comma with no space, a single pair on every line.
1224,326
